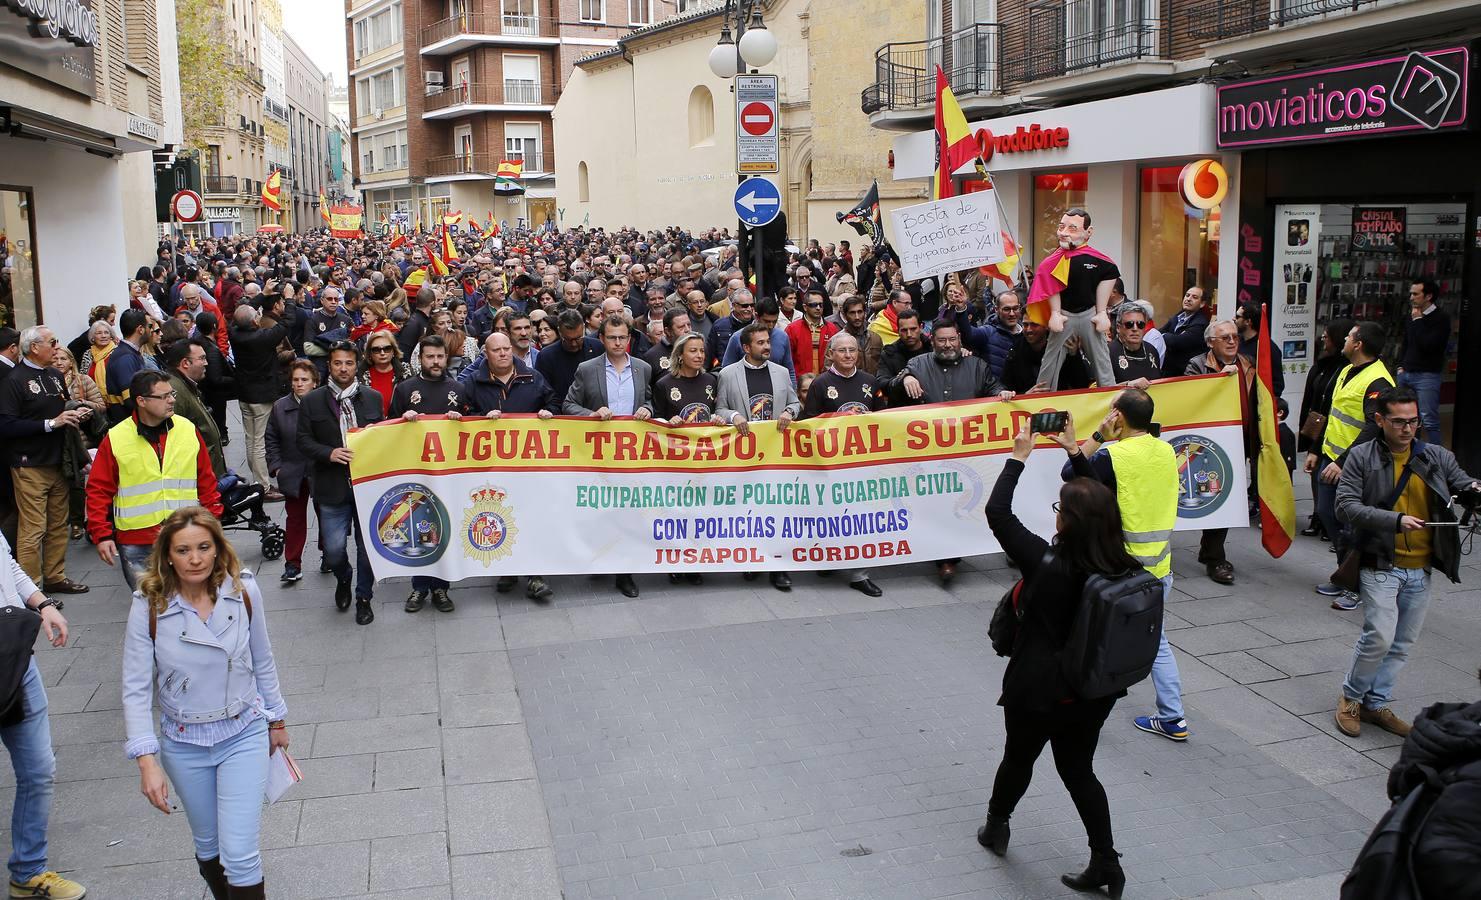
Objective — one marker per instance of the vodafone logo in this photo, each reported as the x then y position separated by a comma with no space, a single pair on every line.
1022,140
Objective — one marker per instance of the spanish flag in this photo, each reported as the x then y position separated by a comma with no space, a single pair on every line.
1008,268
413,282
886,325
399,241
493,228
1272,480
417,225
436,264
506,178
323,207
272,191
955,146
449,250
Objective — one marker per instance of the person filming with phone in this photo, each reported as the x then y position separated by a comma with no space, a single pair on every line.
1395,493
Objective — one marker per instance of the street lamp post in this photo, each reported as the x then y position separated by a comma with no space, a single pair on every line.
745,43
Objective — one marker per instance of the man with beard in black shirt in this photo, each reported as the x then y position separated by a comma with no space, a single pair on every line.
911,344
844,389
431,393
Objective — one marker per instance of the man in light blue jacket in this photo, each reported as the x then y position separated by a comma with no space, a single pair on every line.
26,732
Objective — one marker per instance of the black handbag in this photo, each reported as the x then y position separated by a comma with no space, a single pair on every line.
1002,630
19,626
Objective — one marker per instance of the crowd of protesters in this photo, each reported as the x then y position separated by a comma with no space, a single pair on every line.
313,336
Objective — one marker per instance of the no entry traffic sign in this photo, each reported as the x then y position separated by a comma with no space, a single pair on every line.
187,206
757,119
757,149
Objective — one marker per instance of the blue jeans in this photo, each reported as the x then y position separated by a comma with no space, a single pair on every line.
222,789
335,522
1394,603
1427,386
427,583
29,743
134,560
1165,678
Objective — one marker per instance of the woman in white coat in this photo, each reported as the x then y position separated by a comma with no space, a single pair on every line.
197,642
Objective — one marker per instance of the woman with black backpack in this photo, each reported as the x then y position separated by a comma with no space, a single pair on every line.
1039,704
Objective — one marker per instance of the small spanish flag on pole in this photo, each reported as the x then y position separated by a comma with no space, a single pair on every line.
324,207
449,250
1272,480
435,264
272,191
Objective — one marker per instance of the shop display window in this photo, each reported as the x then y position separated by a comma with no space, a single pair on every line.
1177,247
1367,276
20,302
1055,192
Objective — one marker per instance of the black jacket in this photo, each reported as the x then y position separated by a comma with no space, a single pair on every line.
1050,599
1182,343
1446,740
319,435
28,398
527,391
285,461
256,351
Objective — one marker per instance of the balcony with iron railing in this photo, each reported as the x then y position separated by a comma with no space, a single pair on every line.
1221,20
221,185
458,33
494,96
1031,44
487,164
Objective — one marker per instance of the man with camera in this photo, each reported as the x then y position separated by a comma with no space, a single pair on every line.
1395,495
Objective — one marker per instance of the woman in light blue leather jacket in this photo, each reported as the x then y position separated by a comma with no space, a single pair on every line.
196,644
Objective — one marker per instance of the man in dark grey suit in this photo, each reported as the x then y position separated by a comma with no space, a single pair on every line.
613,384
755,389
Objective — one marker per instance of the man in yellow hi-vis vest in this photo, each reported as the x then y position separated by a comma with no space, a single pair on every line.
1143,471
149,465
1350,422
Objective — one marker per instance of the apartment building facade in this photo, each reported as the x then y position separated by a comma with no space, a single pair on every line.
85,107
1326,117
235,157
441,91
310,133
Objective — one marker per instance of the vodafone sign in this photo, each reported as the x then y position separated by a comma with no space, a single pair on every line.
1022,140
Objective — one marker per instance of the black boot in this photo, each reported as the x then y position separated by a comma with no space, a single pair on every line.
994,835
1104,871
215,876
250,892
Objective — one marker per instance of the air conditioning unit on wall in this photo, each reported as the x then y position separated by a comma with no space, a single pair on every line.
433,77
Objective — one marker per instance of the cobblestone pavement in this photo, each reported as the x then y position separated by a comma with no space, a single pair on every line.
733,741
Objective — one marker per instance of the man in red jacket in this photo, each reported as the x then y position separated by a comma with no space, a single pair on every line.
809,336
153,420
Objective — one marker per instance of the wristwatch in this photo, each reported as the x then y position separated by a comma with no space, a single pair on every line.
44,604
1096,436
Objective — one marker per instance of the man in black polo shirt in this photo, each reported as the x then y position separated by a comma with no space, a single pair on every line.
1083,277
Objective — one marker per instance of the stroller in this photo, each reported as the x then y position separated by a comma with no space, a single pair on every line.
241,503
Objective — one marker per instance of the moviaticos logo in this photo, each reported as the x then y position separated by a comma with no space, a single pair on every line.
409,525
1204,473
488,525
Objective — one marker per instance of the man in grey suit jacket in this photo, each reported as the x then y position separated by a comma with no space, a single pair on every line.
744,399
613,384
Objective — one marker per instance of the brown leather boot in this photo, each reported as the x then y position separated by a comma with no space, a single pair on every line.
215,876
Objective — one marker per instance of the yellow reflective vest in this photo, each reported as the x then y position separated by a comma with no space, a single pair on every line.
148,490
1345,420
1147,493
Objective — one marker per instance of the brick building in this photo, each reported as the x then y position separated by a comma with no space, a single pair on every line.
442,90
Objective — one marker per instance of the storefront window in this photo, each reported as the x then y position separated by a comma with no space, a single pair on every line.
1055,192
20,303
1176,249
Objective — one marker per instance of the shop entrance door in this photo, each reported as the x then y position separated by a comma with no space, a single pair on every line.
541,210
20,290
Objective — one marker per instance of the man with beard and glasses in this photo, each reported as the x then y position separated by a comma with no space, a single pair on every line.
430,393
942,376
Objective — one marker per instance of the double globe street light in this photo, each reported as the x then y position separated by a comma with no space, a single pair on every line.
756,46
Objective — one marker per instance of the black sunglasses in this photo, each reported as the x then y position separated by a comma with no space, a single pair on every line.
1136,325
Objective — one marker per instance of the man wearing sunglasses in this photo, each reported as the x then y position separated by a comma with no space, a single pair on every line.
1134,361
1395,494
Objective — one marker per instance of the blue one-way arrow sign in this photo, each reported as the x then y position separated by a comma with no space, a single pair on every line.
757,201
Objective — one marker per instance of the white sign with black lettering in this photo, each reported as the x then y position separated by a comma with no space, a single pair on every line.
947,236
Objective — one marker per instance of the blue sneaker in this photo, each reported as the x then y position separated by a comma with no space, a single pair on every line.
1347,601
1172,729
1329,589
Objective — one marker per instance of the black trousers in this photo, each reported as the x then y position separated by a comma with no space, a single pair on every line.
1211,545
1072,730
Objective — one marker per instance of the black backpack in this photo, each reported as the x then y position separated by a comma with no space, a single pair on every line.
1115,635
1384,869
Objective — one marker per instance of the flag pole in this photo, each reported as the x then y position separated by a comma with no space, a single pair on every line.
992,186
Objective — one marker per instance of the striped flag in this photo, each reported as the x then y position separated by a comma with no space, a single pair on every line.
272,191
1272,480
506,179
323,207
955,146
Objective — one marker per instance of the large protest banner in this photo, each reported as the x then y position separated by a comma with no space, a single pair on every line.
521,495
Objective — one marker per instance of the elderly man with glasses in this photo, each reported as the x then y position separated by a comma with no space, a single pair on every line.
1223,355
1134,361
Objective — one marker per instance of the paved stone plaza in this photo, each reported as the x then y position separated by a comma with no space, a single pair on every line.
733,741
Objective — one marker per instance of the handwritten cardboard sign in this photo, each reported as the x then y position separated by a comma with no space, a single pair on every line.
947,236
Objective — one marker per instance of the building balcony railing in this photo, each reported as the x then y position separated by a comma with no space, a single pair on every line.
1219,20
905,72
1042,40
488,164
221,184
507,93
474,25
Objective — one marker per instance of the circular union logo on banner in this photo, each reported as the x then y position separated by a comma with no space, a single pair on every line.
409,525
1204,472
488,525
